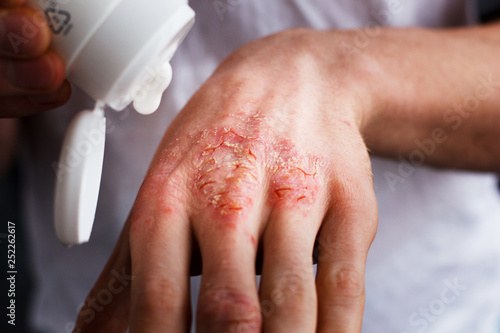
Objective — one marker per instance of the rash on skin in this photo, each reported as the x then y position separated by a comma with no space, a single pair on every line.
294,179
229,171
233,167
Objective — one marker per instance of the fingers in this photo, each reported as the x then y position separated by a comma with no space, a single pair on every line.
228,299
24,32
344,240
160,240
25,77
229,208
106,308
288,291
25,106
34,85
31,77
10,3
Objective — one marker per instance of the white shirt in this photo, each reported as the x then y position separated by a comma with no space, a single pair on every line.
436,247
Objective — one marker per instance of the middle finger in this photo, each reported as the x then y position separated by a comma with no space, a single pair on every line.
228,298
229,196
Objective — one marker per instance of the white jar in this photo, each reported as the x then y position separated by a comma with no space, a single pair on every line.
117,52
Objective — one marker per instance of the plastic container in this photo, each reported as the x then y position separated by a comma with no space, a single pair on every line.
118,52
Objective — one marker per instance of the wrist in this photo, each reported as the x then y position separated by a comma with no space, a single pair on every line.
381,79
353,74
339,87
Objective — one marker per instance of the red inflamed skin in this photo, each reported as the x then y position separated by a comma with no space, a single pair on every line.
267,166
232,185
251,171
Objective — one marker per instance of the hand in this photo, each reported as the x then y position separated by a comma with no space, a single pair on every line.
31,76
266,158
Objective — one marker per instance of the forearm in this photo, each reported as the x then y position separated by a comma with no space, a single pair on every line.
436,97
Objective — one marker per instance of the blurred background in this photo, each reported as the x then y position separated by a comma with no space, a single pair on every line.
489,10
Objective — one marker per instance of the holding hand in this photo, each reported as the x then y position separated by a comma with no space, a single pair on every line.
266,158
31,76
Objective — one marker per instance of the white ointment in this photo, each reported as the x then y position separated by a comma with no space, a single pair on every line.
148,97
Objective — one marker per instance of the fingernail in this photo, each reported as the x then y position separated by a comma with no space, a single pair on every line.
31,74
51,98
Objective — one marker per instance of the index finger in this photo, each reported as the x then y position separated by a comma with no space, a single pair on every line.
160,243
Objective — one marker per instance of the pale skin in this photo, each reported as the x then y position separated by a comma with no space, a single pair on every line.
271,154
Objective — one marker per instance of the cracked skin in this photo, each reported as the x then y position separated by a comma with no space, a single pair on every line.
233,168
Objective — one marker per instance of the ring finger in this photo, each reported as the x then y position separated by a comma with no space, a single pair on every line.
288,292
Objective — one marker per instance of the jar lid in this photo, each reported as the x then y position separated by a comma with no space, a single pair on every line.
78,183
125,61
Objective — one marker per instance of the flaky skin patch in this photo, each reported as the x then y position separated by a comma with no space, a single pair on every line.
234,167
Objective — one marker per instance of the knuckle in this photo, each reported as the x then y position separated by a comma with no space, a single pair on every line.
346,282
163,190
349,190
233,310
228,176
292,292
173,190
295,179
159,197
232,164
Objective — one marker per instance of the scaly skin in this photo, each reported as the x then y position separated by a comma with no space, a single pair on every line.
270,154
235,167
